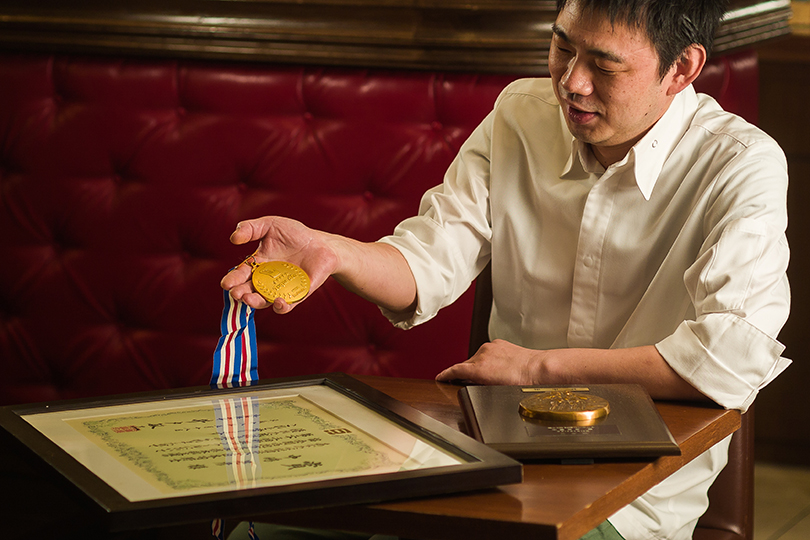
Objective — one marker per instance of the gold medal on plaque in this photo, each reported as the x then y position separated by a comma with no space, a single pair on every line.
279,279
565,406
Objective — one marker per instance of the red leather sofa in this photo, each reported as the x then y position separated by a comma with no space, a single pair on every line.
122,179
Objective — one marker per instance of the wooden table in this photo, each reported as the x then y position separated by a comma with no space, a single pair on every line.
554,501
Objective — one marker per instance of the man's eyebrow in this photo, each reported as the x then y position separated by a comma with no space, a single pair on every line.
607,55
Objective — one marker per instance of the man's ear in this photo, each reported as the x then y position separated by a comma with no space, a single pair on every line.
686,68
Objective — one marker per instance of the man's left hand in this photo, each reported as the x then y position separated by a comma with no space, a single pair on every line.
498,362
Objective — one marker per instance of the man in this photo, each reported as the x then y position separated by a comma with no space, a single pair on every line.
635,230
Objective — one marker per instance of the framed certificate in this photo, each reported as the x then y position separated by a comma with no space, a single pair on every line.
158,459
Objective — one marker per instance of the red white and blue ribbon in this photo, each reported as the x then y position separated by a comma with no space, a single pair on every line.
236,362
237,422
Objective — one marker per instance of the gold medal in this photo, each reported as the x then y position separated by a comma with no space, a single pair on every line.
279,279
565,406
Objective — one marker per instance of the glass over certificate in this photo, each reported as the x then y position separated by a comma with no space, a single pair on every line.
285,444
203,445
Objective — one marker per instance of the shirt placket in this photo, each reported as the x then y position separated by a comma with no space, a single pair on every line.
589,259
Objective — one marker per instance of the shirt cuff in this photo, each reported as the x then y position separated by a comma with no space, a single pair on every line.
413,252
724,357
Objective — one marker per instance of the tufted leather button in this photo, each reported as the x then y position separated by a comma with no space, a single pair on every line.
436,125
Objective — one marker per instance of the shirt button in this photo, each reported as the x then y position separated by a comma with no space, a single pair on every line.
588,261
654,143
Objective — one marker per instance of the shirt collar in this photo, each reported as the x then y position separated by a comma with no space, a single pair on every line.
648,155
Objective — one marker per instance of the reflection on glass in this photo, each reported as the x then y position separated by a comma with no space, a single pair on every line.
272,438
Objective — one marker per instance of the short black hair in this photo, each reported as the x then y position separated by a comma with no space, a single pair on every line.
672,26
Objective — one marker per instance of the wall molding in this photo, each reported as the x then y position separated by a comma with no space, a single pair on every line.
496,36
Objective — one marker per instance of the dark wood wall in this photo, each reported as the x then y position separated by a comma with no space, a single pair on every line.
502,36
782,432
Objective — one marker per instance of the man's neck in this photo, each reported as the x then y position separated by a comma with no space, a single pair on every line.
608,156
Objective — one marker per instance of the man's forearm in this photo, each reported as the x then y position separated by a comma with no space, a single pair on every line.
641,365
377,272
501,362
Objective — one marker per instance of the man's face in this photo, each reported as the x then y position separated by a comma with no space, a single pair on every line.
606,79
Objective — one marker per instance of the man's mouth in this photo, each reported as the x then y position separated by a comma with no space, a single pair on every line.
579,116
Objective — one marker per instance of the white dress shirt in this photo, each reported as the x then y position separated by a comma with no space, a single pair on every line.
681,244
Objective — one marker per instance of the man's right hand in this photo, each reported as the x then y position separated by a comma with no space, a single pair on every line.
280,239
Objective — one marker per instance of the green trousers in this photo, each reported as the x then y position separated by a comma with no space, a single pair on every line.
265,531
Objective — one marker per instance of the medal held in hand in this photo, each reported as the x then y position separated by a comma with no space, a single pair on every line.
279,279
565,406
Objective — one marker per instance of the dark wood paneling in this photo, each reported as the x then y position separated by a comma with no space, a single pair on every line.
781,433
509,36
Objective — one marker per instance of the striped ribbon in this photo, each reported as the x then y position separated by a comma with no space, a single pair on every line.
236,363
238,425
217,530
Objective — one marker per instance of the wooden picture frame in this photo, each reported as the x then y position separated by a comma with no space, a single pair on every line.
322,440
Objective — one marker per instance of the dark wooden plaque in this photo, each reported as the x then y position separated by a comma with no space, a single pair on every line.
633,428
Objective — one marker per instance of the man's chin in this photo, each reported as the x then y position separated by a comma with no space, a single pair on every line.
584,133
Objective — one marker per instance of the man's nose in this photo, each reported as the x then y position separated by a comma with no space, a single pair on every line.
577,78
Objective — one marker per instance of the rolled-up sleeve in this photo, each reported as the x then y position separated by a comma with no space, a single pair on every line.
739,288
448,243
725,358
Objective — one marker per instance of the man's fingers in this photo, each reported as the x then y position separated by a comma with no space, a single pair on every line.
280,239
237,276
252,230
250,297
244,233
243,291
257,301
281,307
456,372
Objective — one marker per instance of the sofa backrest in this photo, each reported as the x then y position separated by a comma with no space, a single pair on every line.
121,181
